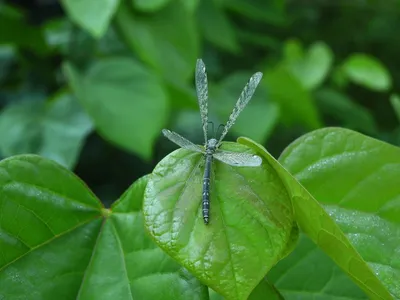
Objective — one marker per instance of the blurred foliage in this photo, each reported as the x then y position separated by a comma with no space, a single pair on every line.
91,83
130,64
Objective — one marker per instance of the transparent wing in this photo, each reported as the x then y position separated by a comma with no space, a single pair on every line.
181,141
202,94
238,159
244,98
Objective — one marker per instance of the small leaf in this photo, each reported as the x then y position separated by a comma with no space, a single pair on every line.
149,5
313,67
126,101
308,273
367,71
92,15
295,102
250,220
55,130
169,33
395,101
355,177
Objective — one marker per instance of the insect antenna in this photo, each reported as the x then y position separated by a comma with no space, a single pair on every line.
218,129
212,129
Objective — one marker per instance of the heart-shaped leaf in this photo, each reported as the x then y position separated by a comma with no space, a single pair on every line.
92,15
250,219
294,100
356,178
367,71
120,93
312,68
58,242
167,40
322,229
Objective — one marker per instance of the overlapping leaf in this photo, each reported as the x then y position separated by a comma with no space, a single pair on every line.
319,226
356,178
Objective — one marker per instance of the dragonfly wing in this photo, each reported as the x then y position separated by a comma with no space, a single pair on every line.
244,98
202,94
238,159
181,141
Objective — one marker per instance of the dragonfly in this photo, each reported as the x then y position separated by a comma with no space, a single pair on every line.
211,149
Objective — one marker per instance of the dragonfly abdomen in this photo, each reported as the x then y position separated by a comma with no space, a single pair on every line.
206,188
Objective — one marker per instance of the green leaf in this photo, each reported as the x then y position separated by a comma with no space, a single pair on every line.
367,71
395,101
356,179
250,219
167,40
149,5
92,15
313,67
216,26
125,253
308,273
296,104
350,114
323,230
49,222
55,130
60,243
266,113
126,101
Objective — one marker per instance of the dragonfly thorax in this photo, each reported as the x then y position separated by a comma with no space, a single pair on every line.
211,145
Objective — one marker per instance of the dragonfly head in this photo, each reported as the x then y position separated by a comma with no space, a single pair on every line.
212,144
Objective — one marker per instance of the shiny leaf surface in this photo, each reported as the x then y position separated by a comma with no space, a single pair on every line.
250,220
